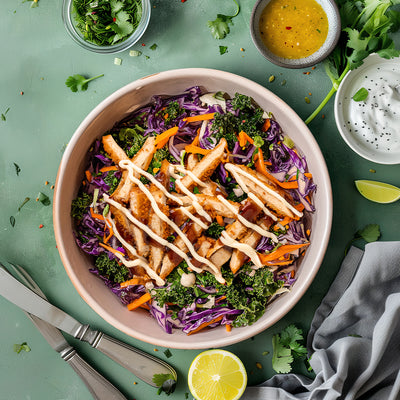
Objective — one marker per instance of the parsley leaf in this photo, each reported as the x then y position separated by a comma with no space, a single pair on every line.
370,233
23,346
223,49
286,348
44,199
360,95
220,26
3,115
17,169
79,82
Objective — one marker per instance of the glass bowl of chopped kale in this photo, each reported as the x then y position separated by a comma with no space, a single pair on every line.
106,26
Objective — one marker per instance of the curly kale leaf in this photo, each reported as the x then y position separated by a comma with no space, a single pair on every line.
214,230
80,205
130,140
111,269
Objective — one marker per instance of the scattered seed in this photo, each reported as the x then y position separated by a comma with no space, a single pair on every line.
283,83
372,170
307,100
242,49
271,78
52,187
258,365
21,93
46,183
155,349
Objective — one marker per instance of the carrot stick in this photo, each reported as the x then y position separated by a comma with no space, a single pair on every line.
111,249
107,238
138,302
285,221
266,125
228,327
220,220
96,216
205,324
280,251
260,167
162,139
133,281
88,175
196,150
244,138
299,207
201,117
110,168
308,175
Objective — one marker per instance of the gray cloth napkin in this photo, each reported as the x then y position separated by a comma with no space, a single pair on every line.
354,337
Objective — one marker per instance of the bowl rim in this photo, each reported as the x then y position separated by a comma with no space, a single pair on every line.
111,49
300,62
241,333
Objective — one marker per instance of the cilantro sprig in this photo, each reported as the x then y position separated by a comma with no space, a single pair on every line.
220,26
286,347
165,382
366,26
79,82
370,233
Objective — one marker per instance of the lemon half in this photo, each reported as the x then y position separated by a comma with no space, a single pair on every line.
378,192
217,375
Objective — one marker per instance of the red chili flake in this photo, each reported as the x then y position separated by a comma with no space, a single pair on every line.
183,1
41,226
313,67
143,44
288,28
243,121
114,19
21,92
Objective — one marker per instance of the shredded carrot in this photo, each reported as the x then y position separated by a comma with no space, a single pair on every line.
88,175
201,117
223,297
308,232
280,251
308,175
162,139
138,302
228,327
244,138
260,167
145,306
285,221
266,125
292,273
166,115
190,148
110,168
299,207
205,324
96,216
114,251
110,235
220,220
133,281
196,139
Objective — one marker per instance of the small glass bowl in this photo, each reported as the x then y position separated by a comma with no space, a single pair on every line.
69,23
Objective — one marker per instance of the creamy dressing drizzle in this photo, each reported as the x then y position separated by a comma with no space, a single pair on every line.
198,221
243,247
128,165
179,168
235,171
140,261
247,223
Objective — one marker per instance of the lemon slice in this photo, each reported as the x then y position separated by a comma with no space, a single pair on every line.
378,191
217,375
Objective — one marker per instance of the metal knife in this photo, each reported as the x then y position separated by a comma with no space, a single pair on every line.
99,387
141,364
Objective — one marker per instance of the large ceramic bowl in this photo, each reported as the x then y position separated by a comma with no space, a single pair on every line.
139,324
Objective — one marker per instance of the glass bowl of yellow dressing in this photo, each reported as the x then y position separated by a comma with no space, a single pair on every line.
295,33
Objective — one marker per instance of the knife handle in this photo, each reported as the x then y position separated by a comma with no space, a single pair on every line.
141,364
99,387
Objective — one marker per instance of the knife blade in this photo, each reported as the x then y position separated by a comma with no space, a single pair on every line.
141,364
99,387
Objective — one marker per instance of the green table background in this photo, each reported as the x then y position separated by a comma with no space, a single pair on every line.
36,57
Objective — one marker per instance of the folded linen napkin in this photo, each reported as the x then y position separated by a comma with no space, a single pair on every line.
354,337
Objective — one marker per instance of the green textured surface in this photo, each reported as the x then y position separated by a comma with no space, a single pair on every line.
36,58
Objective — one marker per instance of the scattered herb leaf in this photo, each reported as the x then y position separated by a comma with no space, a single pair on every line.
223,49
366,28
165,382
220,26
370,233
360,95
44,199
12,221
34,4
79,82
153,46
286,347
23,203
17,169
168,353
3,115
23,346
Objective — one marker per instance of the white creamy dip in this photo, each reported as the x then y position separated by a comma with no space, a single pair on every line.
372,126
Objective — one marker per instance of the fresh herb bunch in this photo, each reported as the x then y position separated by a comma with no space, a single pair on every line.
366,25
107,22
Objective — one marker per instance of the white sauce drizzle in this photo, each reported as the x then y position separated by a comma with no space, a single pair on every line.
256,200
198,221
140,261
182,169
243,247
235,171
247,223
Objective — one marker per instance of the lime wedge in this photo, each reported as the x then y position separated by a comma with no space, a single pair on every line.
379,192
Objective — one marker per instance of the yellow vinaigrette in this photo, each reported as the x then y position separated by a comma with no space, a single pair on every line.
293,28
217,375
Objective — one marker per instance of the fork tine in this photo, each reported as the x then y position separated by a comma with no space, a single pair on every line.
26,279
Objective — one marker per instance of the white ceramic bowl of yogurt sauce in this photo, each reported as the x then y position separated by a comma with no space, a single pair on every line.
371,127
